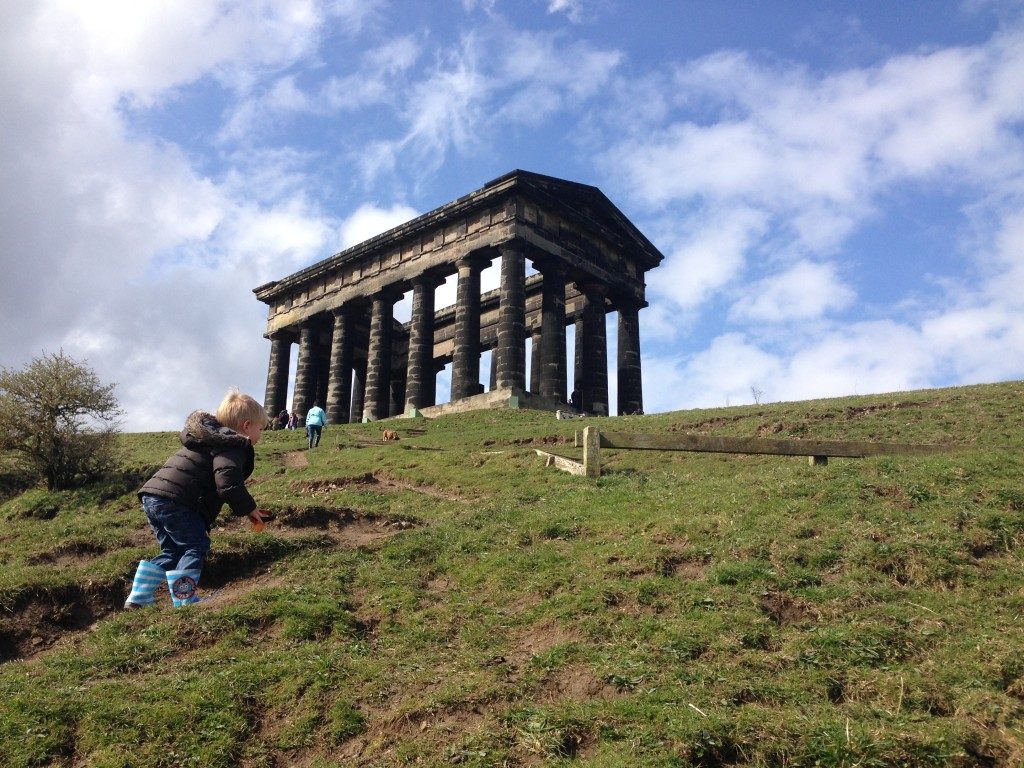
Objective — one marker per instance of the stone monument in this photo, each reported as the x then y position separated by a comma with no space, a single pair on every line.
357,359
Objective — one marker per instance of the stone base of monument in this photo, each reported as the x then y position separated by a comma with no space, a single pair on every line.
497,398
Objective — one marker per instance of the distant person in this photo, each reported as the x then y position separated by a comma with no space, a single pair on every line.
315,421
293,420
574,400
282,419
184,497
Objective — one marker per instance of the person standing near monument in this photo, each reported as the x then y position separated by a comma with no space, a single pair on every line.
315,421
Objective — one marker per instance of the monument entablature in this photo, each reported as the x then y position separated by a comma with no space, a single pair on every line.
590,260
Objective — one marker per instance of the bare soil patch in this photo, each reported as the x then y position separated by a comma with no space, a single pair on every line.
38,619
541,440
295,460
708,425
234,590
784,609
379,480
576,682
350,534
384,734
541,638
70,554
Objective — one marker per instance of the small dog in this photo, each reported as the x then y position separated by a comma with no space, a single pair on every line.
389,435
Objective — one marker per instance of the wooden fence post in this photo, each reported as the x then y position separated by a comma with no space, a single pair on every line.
592,451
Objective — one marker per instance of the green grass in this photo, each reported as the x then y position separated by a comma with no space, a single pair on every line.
682,610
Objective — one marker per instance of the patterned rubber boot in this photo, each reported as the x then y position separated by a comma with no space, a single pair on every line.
148,577
183,586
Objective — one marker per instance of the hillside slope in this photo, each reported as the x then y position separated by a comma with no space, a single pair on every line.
446,599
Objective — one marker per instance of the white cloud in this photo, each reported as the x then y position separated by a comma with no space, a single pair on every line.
804,291
720,375
978,343
495,77
148,264
774,166
370,220
1003,259
707,257
121,48
573,9
789,143
378,78
860,358
443,111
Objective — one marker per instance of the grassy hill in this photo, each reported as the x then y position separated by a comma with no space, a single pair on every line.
447,599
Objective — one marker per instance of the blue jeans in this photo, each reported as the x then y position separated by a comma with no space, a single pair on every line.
313,434
180,532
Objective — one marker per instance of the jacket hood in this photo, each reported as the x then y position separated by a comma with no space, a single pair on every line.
202,430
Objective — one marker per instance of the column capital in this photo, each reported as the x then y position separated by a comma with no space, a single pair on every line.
550,265
282,334
625,302
428,280
513,245
390,294
591,288
310,323
478,259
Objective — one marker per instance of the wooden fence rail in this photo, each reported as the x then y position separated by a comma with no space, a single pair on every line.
817,451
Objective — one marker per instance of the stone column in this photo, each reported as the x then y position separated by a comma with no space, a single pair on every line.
535,361
494,371
419,384
339,388
552,341
399,371
508,359
466,353
594,357
323,369
631,398
277,373
358,392
577,368
305,372
377,399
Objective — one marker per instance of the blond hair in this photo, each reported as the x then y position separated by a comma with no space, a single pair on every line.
237,408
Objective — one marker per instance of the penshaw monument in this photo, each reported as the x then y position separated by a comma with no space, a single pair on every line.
362,364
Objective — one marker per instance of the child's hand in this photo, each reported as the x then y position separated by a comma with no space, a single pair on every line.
259,518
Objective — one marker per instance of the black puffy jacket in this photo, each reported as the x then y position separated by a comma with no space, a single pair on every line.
210,468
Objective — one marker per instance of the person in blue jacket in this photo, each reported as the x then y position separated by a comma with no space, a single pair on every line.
315,421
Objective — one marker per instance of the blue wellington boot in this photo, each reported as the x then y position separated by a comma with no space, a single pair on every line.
183,586
147,578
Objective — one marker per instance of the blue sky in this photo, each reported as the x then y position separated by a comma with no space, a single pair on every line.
837,187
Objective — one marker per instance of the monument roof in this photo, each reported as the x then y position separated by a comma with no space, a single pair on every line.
584,203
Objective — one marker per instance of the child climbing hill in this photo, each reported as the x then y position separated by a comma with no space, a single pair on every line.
184,497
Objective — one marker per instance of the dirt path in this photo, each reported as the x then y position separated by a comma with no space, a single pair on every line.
295,460
230,593
380,480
